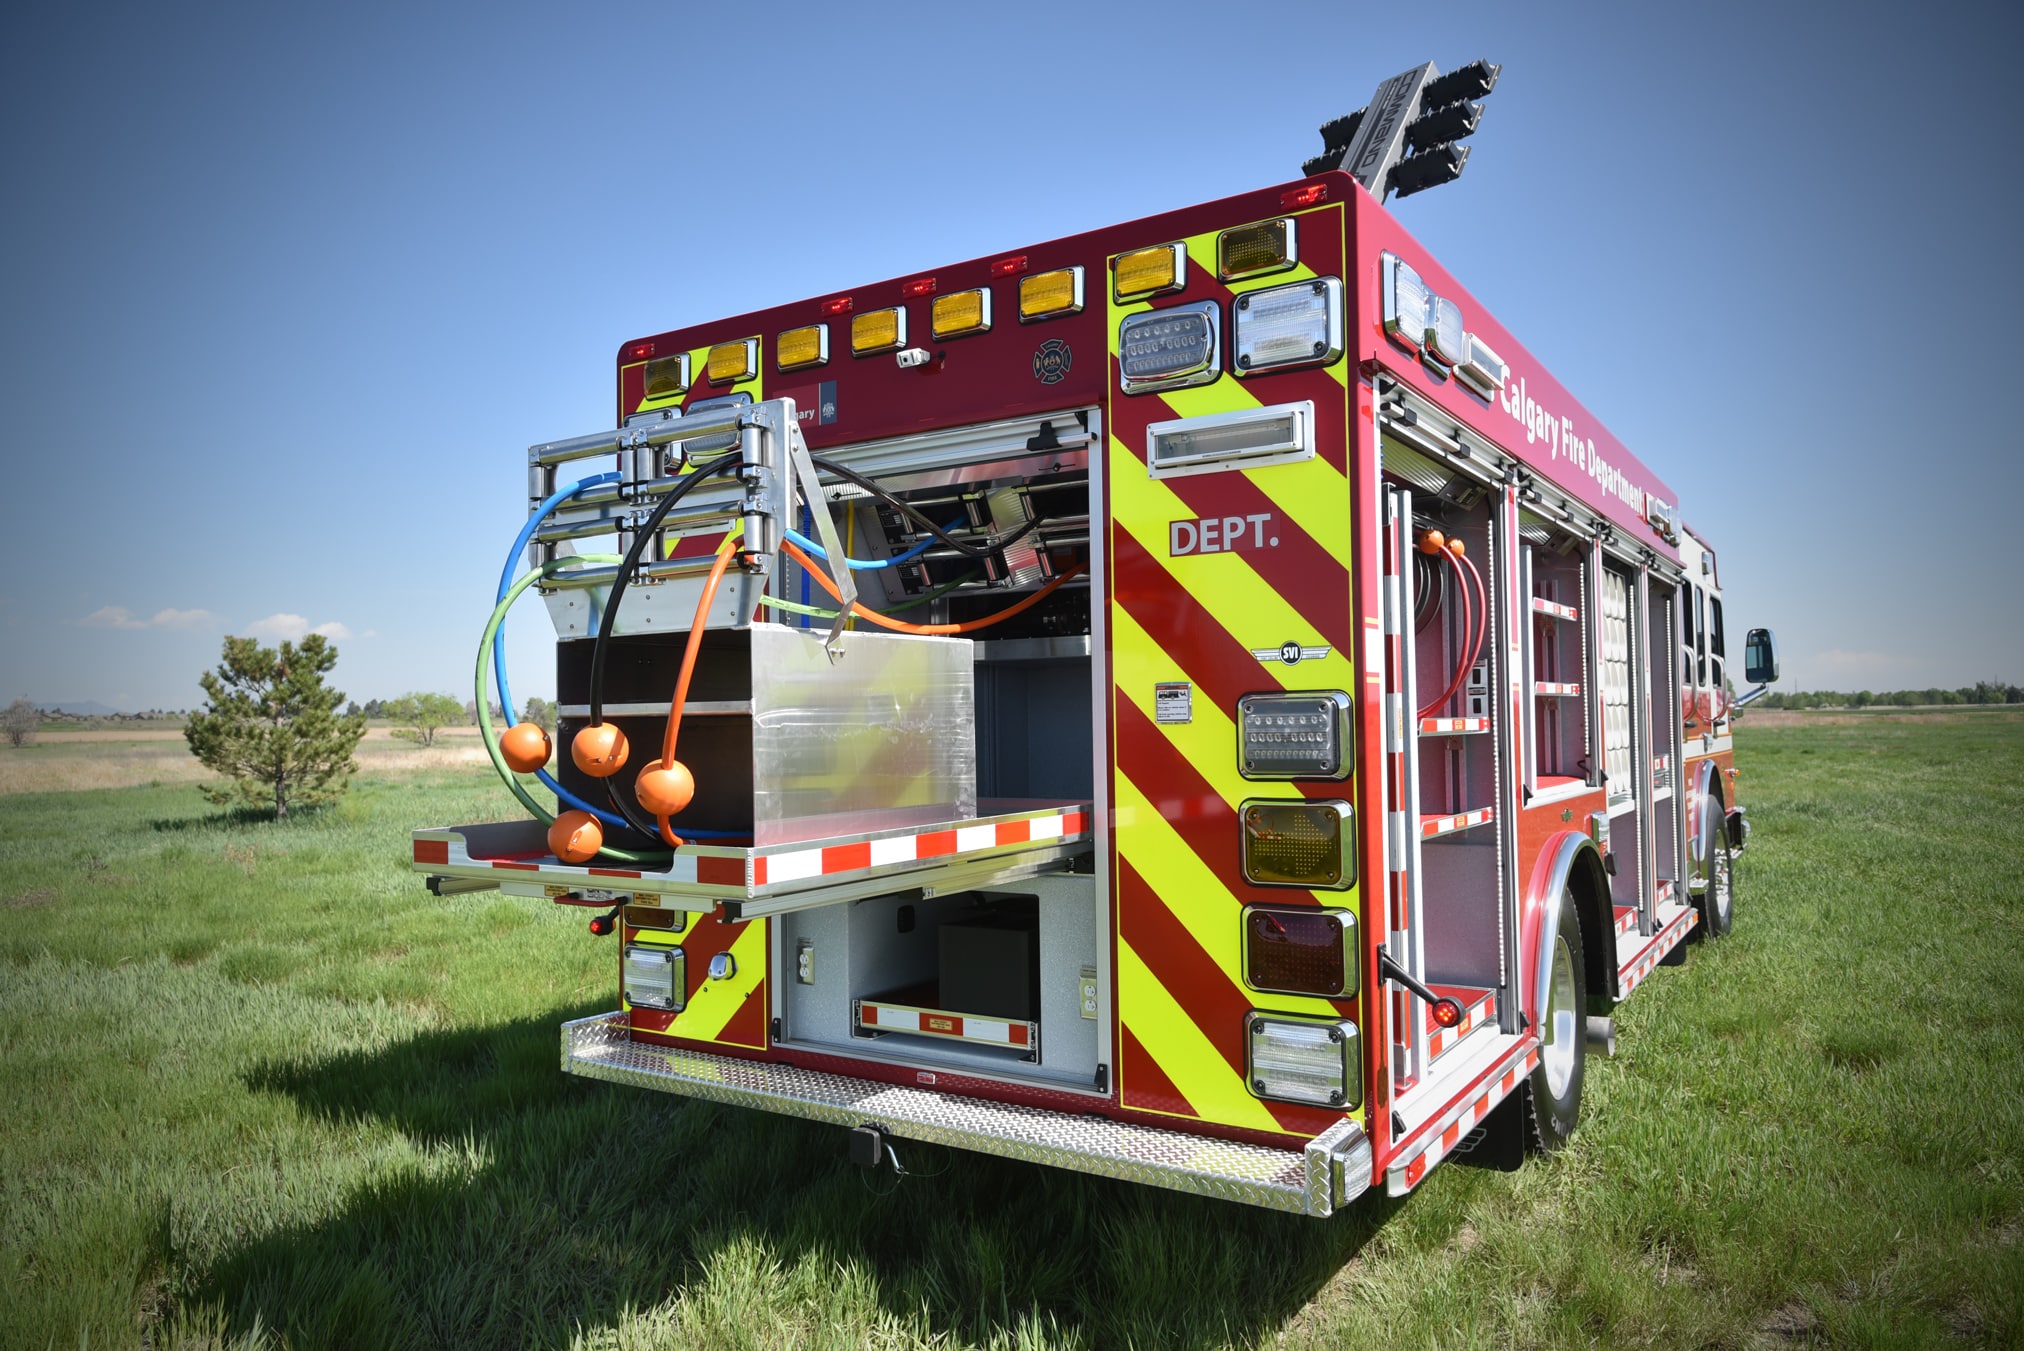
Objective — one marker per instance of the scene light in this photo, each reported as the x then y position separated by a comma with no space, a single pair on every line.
1301,1060
1296,325
655,978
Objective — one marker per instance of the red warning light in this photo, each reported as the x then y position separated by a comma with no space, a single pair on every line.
1447,1012
1009,267
836,305
600,925
918,287
1307,196
642,350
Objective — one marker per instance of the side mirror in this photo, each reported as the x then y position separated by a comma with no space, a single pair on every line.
1760,657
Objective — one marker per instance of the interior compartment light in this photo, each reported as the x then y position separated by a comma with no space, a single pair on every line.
1249,250
1170,349
1295,325
1483,371
1047,295
656,978
1294,951
667,376
878,331
1214,442
1405,302
1294,736
1297,844
1302,1060
959,313
1149,272
731,362
799,348
1446,342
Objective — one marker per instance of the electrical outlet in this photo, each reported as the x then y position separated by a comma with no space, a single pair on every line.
1089,992
804,961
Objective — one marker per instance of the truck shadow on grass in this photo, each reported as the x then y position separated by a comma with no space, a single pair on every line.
541,1206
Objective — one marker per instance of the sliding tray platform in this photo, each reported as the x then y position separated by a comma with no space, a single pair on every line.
830,862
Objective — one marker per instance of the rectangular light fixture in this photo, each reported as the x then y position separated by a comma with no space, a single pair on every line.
1297,843
1049,295
1214,442
959,314
1172,348
1252,250
1150,272
667,376
730,362
1292,950
1484,371
1446,341
656,978
1405,302
800,348
878,331
1294,325
1294,736
1303,1060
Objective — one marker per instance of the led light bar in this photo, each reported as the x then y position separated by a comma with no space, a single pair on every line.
959,314
667,376
1253,250
1048,295
1290,950
1213,442
1483,370
877,331
1303,1060
656,978
730,362
800,348
1294,736
1295,325
1297,843
1150,272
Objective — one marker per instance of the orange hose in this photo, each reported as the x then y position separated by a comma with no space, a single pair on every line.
694,645
901,626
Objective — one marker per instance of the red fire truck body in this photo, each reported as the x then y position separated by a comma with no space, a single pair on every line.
1375,745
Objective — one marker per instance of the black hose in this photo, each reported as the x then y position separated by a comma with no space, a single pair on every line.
624,578
907,509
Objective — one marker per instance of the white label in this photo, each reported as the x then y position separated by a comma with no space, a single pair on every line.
1173,701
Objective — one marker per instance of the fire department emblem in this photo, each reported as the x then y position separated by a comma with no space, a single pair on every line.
1051,362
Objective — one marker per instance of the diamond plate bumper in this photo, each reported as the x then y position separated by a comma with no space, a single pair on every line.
1332,1170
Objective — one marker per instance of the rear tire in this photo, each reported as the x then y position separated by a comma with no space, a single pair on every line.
1717,902
1553,1092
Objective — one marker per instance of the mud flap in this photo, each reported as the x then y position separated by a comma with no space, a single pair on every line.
1498,1142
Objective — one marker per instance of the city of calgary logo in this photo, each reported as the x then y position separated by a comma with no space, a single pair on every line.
1051,362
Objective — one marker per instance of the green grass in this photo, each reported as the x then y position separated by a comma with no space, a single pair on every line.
260,1088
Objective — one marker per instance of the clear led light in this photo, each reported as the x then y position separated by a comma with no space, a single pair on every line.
1294,736
655,978
1301,1061
1211,442
1405,302
1171,348
1446,341
1484,371
1295,325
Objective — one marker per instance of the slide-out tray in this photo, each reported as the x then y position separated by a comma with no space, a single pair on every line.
1008,839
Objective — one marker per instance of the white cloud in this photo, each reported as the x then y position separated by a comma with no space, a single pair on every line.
119,617
294,628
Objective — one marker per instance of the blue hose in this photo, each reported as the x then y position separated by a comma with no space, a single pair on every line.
548,780
870,564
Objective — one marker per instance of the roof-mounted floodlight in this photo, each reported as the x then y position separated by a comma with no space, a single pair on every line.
1421,111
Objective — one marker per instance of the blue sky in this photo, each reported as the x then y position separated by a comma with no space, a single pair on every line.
289,290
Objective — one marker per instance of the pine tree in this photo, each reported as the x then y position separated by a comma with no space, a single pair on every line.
272,726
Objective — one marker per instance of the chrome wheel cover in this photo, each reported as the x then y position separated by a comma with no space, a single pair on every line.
1562,1030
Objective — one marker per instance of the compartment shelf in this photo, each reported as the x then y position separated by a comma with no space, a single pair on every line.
1543,606
1453,726
914,1012
1556,688
1432,827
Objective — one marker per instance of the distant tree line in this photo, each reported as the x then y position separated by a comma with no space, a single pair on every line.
1981,692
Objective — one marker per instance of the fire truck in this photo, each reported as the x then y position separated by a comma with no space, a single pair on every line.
1194,702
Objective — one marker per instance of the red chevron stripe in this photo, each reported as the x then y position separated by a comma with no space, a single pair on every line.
1203,989
1144,1084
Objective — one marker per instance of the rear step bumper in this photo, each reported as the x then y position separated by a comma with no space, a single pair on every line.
1331,1171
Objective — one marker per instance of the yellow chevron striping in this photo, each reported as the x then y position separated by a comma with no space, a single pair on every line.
1230,589
1209,743
1185,1056
716,1002
1194,893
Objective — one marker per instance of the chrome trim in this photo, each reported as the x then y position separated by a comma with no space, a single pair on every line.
1318,1179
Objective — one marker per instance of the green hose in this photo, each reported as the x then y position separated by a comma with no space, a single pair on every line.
816,612
485,729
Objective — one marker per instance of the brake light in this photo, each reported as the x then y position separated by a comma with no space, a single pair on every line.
1299,951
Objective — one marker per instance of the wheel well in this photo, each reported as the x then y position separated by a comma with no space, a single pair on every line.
1598,929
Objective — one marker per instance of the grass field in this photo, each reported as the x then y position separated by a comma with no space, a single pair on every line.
261,1089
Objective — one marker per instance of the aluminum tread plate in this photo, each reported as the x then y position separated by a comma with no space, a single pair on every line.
1333,1168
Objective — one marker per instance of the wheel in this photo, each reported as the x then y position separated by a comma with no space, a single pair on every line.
1553,1093
1717,902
